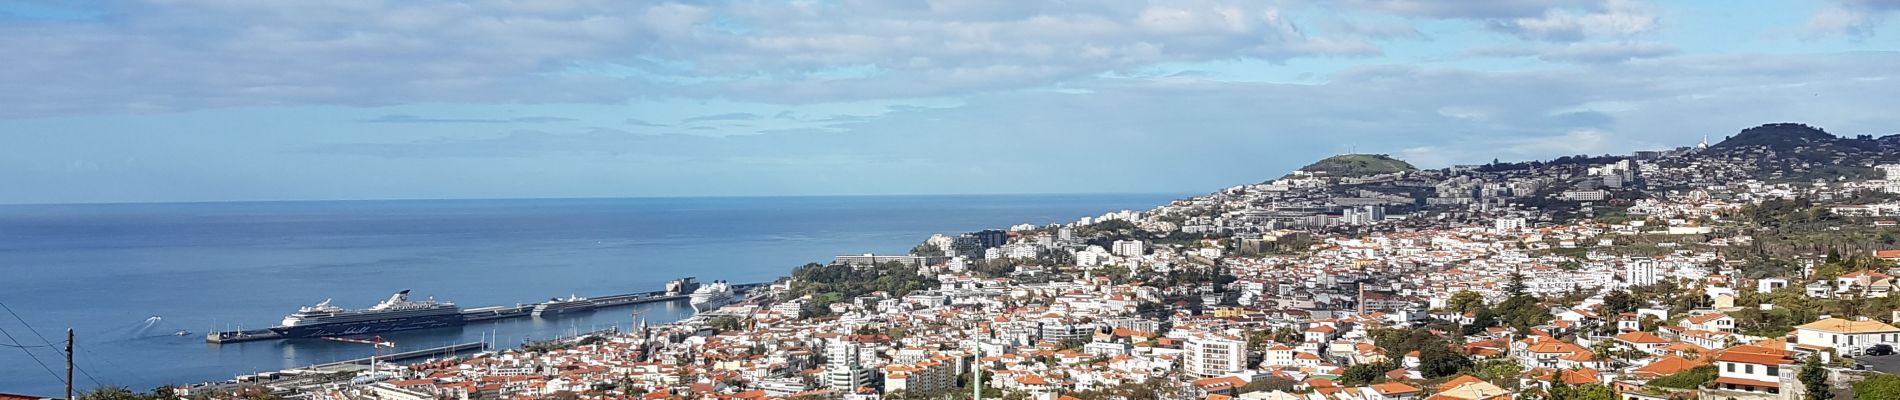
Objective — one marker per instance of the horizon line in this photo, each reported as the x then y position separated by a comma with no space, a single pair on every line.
420,199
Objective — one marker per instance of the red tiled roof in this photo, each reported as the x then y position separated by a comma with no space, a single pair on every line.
1752,358
1458,381
1667,365
1705,318
1394,388
1641,338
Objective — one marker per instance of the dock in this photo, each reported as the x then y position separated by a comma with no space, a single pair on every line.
241,336
496,312
413,354
612,300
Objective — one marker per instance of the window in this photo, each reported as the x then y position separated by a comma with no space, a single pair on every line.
1748,369
1774,371
1731,367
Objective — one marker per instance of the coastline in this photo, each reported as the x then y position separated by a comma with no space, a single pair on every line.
768,250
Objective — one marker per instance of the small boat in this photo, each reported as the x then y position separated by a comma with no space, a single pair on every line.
181,332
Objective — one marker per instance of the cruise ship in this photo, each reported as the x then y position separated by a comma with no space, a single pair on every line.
397,313
712,296
559,305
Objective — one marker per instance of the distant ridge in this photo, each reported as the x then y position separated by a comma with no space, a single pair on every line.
1357,165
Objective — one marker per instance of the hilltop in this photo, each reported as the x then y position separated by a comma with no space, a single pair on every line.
1780,137
1790,151
1357,165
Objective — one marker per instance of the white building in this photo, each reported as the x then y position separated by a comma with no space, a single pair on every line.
1128,248
844,371
923,376
1585,195
1509,224
1890,171
1209,354
1846,337
1092,256
1642,273
1751,371
782,387
1770,284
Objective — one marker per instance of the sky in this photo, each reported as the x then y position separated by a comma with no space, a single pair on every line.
237,100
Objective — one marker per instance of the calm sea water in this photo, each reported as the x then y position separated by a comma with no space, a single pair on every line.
128,276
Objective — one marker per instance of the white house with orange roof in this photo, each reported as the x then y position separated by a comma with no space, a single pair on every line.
1278,355
1390,391
1547,352
1320,333
1751,371
1864,283
1467,387
1643,341
1717,322
1847,337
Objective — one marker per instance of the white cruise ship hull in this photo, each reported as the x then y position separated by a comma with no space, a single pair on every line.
710,304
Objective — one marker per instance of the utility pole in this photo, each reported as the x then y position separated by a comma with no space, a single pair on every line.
976,374
69,363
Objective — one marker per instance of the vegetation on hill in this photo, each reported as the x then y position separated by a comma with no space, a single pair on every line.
1878,386
1356,165
1690,379
1779,137
828,284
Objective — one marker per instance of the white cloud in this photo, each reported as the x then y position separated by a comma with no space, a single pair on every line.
1851,17
190,54
1613,18
1465,9
1582,52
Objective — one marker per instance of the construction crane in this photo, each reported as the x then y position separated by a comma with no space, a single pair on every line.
375,343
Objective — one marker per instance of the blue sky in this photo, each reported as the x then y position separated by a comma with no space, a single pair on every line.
216,100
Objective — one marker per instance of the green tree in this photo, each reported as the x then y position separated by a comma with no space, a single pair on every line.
1441,361
1464,302
1690,379
1269,384
112,393
1363,374
1878,386
1617,302
1815,379
1591,392
1558,389
926,250
1505,370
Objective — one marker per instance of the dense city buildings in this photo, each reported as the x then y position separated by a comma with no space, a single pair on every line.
1698,272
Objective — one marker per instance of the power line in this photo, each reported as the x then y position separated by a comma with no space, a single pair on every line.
49,343
36,358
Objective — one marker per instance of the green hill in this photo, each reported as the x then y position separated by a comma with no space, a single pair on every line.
1356,165
1779,137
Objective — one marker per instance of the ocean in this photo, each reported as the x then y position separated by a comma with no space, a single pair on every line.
129,277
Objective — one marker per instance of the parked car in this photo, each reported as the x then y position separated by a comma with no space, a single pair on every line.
1880,350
